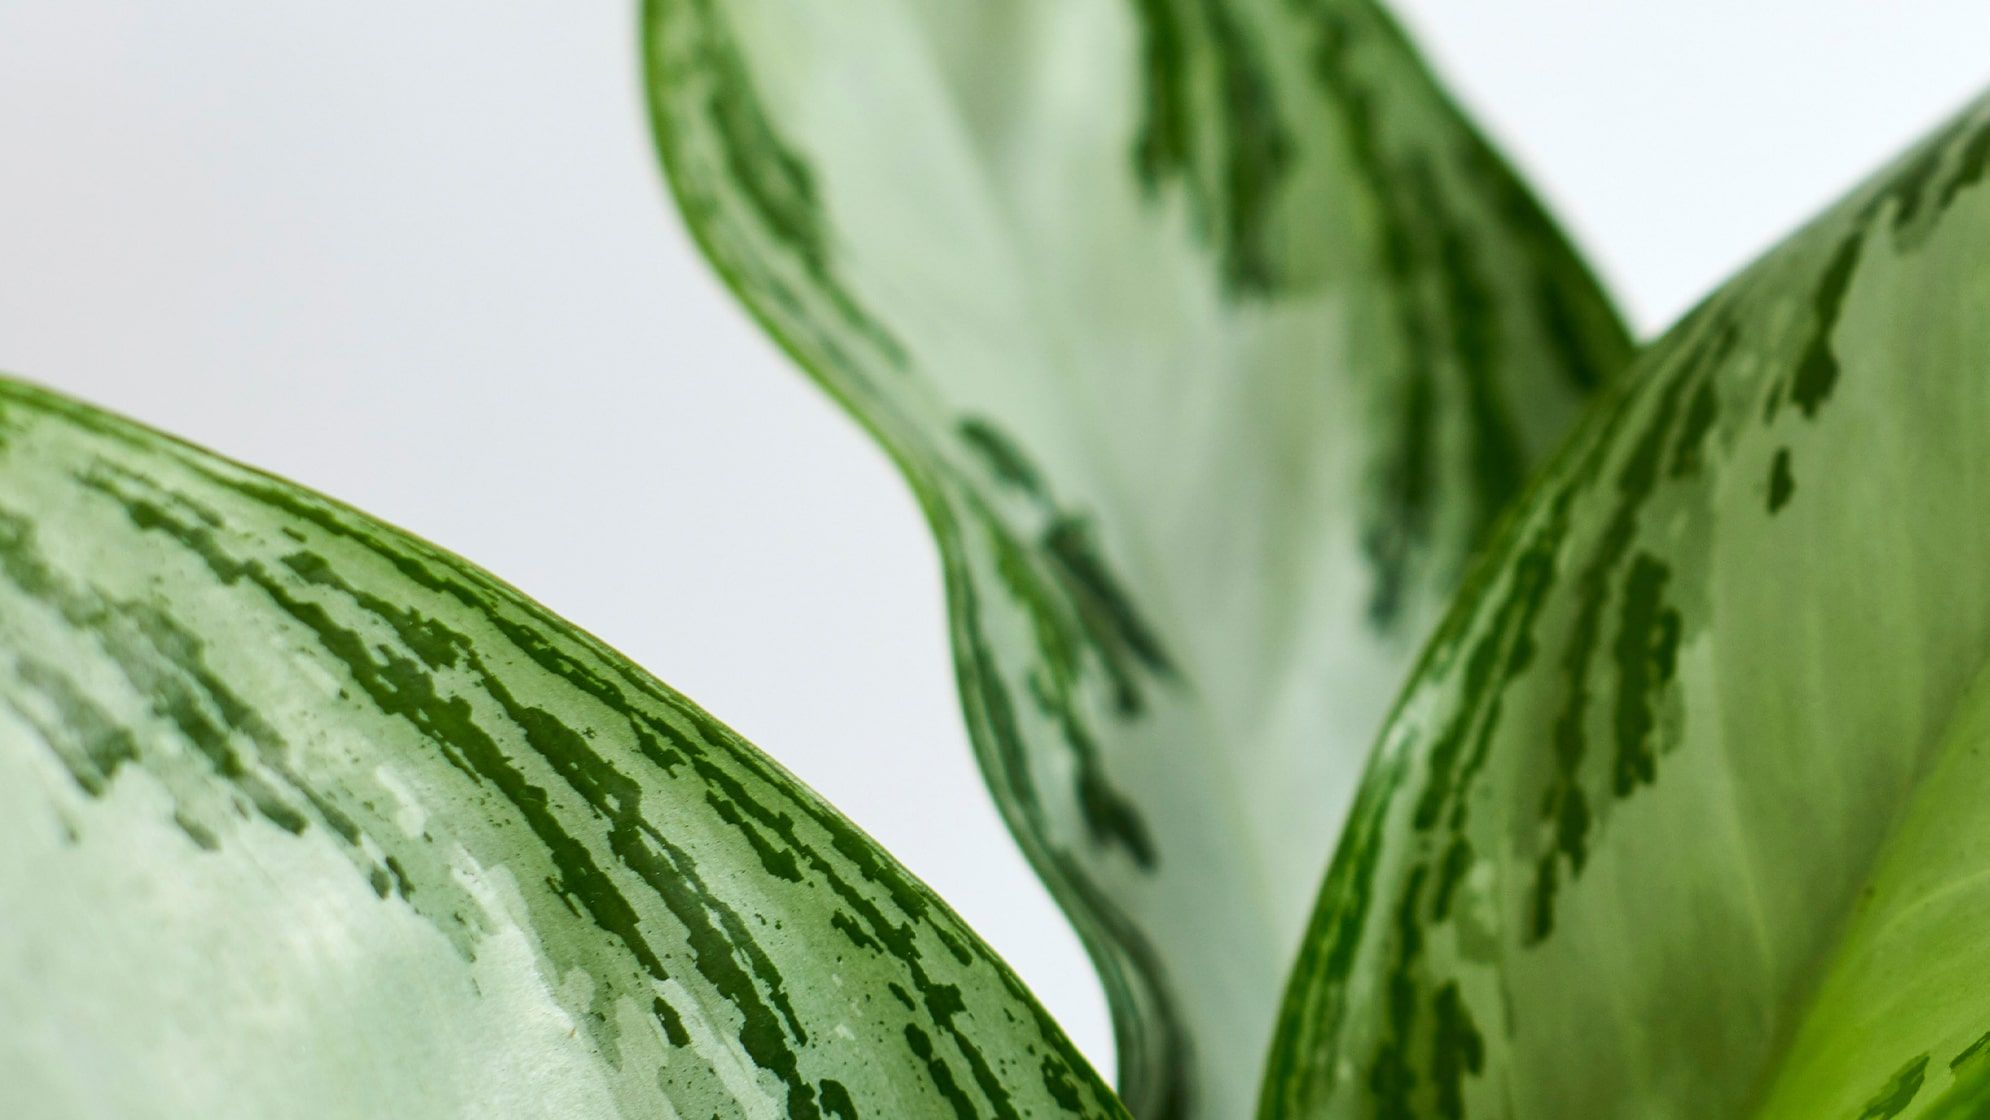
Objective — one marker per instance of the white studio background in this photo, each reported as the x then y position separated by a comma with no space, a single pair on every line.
418,255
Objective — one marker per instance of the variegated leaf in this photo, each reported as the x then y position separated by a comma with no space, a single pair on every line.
1211,339
1683,814
302,817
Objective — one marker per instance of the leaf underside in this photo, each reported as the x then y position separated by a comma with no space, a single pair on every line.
303,817
1212,340
1682,815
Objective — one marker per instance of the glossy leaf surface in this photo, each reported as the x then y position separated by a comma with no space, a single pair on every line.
1683,814
303,817
1212,340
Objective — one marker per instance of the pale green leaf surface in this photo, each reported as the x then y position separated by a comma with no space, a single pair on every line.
302,817
1211,339
1683,814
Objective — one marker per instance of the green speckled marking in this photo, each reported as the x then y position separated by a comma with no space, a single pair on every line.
1782,481
1647,643
1817,371
1232,162
1899,1091
1967,1096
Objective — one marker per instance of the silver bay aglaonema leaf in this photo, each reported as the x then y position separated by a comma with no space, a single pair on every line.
1211,339
1684,813
302,817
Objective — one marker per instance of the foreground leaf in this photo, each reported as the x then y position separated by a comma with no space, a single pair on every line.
1683,814
300,816
1211,339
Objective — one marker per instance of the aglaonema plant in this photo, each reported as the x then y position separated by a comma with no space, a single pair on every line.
1219,350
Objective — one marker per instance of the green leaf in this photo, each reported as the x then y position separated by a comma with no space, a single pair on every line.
300,816
1683,813
1211,339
